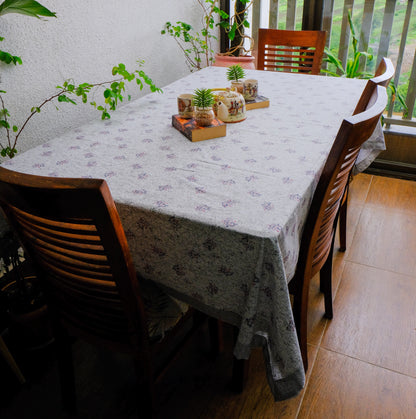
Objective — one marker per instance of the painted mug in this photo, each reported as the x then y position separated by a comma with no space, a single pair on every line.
185,107
250,88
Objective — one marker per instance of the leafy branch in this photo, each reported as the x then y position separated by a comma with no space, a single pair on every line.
196,45
113,94
24,7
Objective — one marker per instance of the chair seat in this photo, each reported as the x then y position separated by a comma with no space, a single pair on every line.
163,311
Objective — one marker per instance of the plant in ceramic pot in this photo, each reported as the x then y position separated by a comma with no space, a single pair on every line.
197,46
203,99
235,74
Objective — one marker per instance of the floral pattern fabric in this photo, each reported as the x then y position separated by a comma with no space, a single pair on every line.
217,223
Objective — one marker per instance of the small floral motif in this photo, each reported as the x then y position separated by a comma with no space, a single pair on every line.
287,180
200,189
140,191
157,251
91,163
216,158
275,170
109,174
39,165
60,163
228,203
250,161
192,178
142,176
268,292
209,244
179,270
119,157
137,166
228,182
275,227
202,208
171,156
171,169
140,154
194,150
147,140
192,166
165,187
295,197
193,254
228,222
226,271
88,155
161,204
212,288
267,206
251,178
254,194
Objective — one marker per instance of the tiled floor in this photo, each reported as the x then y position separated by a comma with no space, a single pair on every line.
362,363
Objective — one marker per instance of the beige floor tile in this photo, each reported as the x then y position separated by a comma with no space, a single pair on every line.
397,194
359,187
385,239
345,388
374,318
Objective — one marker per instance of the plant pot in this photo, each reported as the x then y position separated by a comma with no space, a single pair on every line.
29,329
204,116
247,61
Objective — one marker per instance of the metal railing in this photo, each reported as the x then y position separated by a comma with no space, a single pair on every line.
385,28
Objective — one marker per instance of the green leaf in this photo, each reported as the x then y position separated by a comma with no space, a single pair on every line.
25,7
4,124
9,58
15,128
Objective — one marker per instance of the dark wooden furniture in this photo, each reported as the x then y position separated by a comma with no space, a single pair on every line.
382,77
290,51
71,230
316,247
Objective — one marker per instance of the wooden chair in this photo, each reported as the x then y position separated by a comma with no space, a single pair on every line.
317,242
71,230
290,51
382,77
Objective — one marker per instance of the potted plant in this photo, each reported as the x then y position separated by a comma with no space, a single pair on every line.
235,74
197,46
203,99
235,26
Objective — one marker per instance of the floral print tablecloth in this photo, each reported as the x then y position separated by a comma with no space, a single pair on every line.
218,222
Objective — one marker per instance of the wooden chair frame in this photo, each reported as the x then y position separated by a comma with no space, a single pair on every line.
317,242
71,231
382,77
290,51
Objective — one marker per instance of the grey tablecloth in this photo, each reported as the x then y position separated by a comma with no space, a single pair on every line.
218,222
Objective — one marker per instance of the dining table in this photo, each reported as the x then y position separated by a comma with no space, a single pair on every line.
218,223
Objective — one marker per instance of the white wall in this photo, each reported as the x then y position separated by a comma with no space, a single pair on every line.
84,42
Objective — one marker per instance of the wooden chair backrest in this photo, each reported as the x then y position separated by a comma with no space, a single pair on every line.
320,224
382,77
290,51
71,230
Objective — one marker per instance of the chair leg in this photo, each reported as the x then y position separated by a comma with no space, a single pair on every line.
216,336
10,360
66,371
343,222
240,370
147,396
325,277
300,315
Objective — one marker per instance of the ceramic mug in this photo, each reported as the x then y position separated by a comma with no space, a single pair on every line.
250,88
185,107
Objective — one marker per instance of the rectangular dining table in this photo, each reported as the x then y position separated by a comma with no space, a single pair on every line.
218,223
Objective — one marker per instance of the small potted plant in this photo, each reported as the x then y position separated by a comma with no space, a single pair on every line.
203,99
235,74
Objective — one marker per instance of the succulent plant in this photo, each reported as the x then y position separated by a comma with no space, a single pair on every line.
203,98
235,73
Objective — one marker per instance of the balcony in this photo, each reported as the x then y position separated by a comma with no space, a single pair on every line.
384,28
